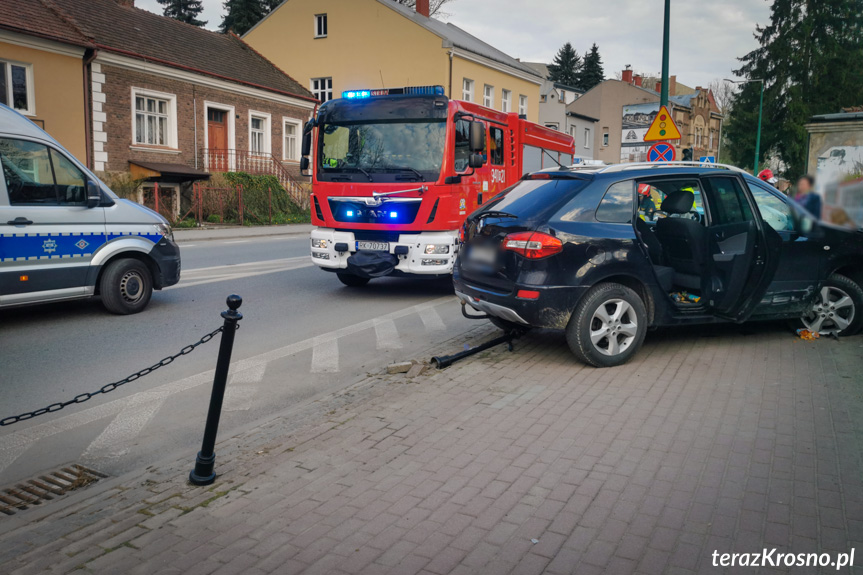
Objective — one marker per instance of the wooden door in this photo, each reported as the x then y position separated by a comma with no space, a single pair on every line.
217,140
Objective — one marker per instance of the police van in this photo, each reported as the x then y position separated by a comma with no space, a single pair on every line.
65,235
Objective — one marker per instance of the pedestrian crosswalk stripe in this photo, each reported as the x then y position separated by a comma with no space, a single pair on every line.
116,439
325,356
387,334
431,319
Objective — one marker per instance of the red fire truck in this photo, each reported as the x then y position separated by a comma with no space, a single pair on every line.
396,171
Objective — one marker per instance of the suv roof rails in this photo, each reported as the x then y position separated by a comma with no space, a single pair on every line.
675,164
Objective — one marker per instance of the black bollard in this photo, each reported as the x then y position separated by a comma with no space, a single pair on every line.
204,473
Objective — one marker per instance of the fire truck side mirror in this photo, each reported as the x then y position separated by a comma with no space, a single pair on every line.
477,137
306,147
304,163
475,161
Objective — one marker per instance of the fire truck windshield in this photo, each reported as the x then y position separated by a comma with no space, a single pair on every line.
382,151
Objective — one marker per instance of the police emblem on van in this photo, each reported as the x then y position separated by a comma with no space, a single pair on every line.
81,244
50,246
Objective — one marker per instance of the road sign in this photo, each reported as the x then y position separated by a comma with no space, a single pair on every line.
707,159
662,128
660,152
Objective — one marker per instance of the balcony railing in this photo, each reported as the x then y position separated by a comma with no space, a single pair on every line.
219,161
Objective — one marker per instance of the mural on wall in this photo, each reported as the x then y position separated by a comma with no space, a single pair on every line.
839,177
636,120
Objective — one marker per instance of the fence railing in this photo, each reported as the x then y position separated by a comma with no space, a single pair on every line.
217,205
219,161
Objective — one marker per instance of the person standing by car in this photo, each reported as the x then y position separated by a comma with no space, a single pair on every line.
806,196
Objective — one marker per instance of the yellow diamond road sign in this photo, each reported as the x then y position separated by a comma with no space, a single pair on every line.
662,128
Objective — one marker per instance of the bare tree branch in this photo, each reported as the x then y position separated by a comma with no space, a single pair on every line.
723,93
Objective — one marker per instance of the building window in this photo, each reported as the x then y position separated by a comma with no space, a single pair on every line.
605,137
291,147
488,96
467,90
587,137
322,88
154,119
259,133
522,105
505,101
16,86
711,140
320,25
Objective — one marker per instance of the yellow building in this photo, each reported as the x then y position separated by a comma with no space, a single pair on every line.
336,45
42,76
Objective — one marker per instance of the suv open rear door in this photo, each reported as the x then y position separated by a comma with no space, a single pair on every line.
742,259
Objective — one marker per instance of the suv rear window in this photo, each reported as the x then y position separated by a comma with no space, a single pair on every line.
536,199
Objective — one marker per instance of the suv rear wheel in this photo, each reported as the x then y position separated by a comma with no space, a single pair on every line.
126,286
838,309
608,325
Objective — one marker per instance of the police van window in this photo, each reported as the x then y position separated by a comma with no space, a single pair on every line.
71,184
495,149
617,204
34,174
462,144
727,201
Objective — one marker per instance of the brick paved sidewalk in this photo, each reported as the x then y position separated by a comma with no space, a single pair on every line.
523,462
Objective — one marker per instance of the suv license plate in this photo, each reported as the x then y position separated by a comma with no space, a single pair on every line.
373,246
482,254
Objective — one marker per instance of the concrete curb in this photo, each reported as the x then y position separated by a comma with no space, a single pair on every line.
207,234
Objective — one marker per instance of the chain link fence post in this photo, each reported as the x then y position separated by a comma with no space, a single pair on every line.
203,473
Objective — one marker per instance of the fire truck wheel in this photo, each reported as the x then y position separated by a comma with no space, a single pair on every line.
352,281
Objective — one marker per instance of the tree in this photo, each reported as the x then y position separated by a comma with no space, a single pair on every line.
592,72
810,57
241,15
434,5
183,10
566,66
723,93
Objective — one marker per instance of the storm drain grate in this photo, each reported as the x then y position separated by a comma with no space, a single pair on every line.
46,487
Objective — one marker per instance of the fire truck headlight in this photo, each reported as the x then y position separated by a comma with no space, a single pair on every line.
321,244
437,249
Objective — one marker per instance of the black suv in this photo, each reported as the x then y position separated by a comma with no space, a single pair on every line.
606,253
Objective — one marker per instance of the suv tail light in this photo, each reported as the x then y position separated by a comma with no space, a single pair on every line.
533,245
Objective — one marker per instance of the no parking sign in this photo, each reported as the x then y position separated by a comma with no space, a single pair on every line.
660,152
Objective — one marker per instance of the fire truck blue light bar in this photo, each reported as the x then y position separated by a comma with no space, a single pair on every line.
409,90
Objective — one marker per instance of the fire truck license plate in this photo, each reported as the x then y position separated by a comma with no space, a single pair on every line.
373,246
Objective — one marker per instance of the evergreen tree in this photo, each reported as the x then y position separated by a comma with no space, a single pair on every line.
241,15
183,10
270,5
566,66
592,72
810,57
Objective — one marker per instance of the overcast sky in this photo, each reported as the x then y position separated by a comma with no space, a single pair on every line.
706,37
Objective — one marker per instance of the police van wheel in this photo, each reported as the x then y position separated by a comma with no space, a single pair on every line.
126,286
352,280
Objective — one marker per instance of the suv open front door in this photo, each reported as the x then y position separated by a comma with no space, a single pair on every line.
742,259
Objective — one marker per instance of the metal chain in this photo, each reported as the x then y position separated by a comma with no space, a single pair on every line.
111,386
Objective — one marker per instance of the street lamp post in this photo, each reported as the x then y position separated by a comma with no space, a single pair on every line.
760,111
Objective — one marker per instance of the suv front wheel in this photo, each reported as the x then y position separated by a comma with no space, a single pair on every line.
608,325
838,309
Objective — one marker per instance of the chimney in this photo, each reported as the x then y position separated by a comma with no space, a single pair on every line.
126,3
422,7
638,80
659,87
672,85
627,75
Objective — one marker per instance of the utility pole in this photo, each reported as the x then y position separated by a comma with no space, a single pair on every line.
760,113
663,98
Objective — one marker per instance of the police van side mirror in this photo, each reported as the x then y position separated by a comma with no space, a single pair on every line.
477,137
94,194
475,161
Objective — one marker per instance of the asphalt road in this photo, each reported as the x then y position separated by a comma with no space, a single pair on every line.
303,334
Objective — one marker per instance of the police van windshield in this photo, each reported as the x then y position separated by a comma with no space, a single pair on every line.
382,151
